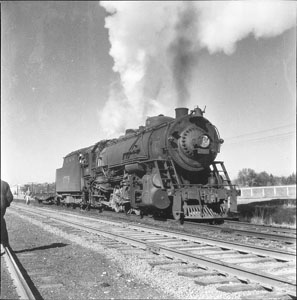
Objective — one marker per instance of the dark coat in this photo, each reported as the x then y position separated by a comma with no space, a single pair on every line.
6,196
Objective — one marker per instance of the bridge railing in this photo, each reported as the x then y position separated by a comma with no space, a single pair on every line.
269,192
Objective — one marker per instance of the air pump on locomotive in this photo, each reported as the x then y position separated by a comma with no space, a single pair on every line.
167,166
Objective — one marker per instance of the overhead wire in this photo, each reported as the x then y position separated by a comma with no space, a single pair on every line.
259,139
252,136
261,131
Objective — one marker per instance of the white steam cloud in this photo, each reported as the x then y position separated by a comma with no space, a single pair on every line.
155,47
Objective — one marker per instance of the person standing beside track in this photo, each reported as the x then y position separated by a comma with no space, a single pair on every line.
27,197
6,199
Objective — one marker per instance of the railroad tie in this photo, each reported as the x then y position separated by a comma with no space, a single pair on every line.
259,260
240,288
173,267
203,250
37,273
222,253
284,266
217,280
241,258
197,273
184,266
26,256
147,256
121,247
173,244
49,278
162,240
187,249
108,243
163,262
114,245
133,251
51,286
270,296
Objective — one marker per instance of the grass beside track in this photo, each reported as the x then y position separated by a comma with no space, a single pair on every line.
272,212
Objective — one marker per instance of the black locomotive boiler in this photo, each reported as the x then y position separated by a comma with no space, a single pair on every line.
165,167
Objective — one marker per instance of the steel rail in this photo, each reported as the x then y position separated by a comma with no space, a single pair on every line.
22,287
291,238
243,274
264,235
236,246
263,226
281,255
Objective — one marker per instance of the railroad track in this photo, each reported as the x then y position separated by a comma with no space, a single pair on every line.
291,232
243,267
279,234
23,288
285,235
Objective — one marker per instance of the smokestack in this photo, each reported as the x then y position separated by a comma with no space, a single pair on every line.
180,112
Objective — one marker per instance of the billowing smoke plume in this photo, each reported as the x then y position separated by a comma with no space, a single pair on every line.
183,51
155,47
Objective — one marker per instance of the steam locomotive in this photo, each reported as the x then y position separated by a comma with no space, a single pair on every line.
165,167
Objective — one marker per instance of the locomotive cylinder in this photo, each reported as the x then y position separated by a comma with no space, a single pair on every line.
152,195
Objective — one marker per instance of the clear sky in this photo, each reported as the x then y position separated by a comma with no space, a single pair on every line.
64,73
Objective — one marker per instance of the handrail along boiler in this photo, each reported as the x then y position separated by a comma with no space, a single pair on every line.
166,166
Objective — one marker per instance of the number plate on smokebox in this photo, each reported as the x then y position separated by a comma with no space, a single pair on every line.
203,151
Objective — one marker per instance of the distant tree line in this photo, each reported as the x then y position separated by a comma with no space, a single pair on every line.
248,177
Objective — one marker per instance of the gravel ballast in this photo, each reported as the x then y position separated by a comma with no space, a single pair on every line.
62,269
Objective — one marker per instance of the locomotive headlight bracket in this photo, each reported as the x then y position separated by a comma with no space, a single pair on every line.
204,141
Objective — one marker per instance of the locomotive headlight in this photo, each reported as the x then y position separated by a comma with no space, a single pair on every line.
205,141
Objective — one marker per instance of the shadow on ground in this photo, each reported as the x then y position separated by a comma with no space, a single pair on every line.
53,245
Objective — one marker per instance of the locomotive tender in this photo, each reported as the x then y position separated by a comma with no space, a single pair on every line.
167,166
